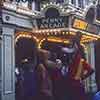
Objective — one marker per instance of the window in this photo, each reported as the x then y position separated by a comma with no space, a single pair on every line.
80,3
87,2
98,12
59,1
73,2
33,5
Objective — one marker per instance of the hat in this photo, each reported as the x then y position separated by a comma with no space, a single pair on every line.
68,50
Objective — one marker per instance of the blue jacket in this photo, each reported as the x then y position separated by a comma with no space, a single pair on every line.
97,96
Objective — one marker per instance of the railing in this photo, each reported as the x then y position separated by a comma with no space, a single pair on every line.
24,5
19,7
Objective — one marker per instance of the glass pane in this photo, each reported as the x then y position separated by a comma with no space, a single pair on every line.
59,1
80,3
73,2
87,2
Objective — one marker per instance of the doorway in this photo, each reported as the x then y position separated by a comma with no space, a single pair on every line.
25,49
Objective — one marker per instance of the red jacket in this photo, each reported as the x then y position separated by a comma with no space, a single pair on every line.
80,68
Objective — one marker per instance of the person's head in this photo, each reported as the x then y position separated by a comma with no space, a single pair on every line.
53,56
27,64
77,37
43,55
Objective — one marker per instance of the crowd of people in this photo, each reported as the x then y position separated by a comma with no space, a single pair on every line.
53,77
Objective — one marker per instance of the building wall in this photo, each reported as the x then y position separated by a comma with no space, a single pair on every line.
11,22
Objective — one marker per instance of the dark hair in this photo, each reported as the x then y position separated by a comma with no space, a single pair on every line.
77,37
79,34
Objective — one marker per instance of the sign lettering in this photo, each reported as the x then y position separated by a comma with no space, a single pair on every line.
58,22
83,25
80,24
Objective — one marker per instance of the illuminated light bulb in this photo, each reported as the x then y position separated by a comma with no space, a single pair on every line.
51,3
39,45
47,30
63,33
63,9
47,4
58,4
51,30
43,31
66,42
39,31
36,39
66,32
44,6
41,8
24,35
48,33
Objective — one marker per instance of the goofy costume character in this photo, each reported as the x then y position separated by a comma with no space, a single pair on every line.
79,69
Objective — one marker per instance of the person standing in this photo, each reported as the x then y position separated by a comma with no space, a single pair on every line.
78,70
29,80
44,80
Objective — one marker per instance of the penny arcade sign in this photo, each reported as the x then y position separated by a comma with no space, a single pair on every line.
52,19
51,23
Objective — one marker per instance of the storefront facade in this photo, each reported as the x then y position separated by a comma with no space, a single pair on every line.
52,24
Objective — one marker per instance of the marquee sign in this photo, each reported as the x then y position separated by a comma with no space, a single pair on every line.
52,22
83,25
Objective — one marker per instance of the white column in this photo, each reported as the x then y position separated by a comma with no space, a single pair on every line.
76,3
93,81
90,82
8,64
69,1
33,5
